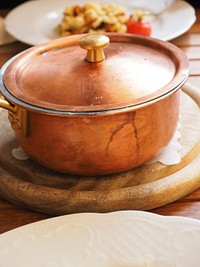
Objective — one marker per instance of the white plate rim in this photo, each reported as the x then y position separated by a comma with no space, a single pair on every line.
31,33
130,226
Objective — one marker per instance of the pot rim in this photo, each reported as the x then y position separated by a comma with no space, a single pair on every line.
131,108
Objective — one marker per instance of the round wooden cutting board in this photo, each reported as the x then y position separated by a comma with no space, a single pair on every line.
28,184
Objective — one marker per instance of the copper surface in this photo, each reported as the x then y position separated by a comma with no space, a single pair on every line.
57,76
101,145
129,103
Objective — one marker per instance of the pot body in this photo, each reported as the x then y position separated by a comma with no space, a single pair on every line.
99,145
94,113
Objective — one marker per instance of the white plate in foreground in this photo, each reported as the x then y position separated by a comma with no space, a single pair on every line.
34,22
116,239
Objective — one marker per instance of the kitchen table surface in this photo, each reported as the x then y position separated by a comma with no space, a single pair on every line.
12,216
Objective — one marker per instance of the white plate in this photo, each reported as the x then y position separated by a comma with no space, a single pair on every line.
34,22
117,239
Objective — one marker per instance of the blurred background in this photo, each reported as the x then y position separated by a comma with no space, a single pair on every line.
13,3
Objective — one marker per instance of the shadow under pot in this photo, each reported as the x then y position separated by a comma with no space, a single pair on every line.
94,104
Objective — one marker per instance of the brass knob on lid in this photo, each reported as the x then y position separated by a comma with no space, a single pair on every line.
94,44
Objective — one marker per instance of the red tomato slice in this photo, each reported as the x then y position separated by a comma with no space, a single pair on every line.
139,27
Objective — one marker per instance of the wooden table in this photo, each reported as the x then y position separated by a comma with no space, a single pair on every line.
12,216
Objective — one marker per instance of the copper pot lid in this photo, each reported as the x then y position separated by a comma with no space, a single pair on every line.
94,73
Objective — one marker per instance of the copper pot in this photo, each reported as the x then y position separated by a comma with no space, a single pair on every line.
83,106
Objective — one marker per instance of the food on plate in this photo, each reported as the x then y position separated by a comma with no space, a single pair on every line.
95,18
138,24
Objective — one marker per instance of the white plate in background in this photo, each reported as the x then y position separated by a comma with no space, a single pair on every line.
116,239
33,22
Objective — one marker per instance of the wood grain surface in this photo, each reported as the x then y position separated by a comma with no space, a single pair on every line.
12,216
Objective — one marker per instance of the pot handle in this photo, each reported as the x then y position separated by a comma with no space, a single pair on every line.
94,44
17,116
6,105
